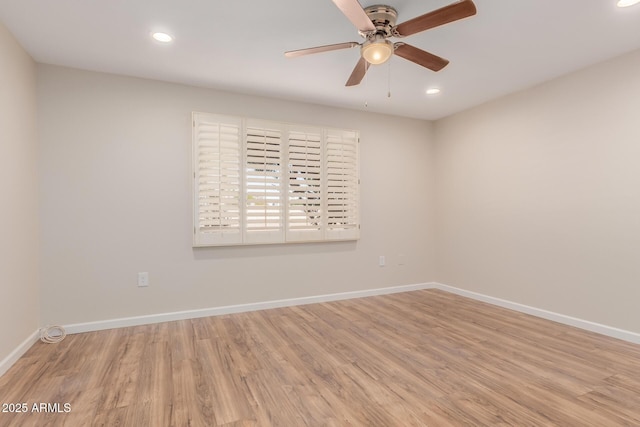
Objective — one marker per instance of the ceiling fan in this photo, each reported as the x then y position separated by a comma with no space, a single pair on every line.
378,23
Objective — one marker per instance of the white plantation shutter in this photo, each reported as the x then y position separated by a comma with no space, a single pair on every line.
217,143
264,202
305,176
265,182
342,185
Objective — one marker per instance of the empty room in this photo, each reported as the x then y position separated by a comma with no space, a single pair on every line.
327,213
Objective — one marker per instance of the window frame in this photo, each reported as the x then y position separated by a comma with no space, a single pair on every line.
206,206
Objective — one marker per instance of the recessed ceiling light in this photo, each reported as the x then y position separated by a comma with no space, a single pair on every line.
433,91
162,37
627,3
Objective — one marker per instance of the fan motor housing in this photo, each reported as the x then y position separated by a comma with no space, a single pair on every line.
384,19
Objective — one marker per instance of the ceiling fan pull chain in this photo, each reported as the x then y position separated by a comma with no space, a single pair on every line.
366,87
389,81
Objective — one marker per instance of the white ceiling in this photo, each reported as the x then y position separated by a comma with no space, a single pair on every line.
238,46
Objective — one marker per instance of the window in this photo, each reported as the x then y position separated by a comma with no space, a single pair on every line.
259,182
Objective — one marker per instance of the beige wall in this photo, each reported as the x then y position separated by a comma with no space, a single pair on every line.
19,299
538,196
535,199
116,200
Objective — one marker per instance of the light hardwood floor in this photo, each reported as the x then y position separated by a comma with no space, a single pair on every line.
424,358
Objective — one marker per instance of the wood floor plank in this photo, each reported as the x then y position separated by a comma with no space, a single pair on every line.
410,359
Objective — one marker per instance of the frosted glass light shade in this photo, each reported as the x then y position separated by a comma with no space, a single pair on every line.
377,51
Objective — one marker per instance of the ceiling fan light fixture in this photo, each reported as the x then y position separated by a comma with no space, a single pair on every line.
377,51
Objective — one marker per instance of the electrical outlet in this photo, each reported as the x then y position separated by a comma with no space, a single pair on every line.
381,261
143,279
401,259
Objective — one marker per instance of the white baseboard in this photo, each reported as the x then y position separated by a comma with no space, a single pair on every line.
545,314
16,354
622,334
240,308
229,309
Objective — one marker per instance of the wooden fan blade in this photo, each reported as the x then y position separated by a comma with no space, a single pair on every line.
358,72
451,13
327,48
420,57
356,14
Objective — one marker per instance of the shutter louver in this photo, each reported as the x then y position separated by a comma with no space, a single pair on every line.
304,208
217,142
342,185
257,182
263,184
